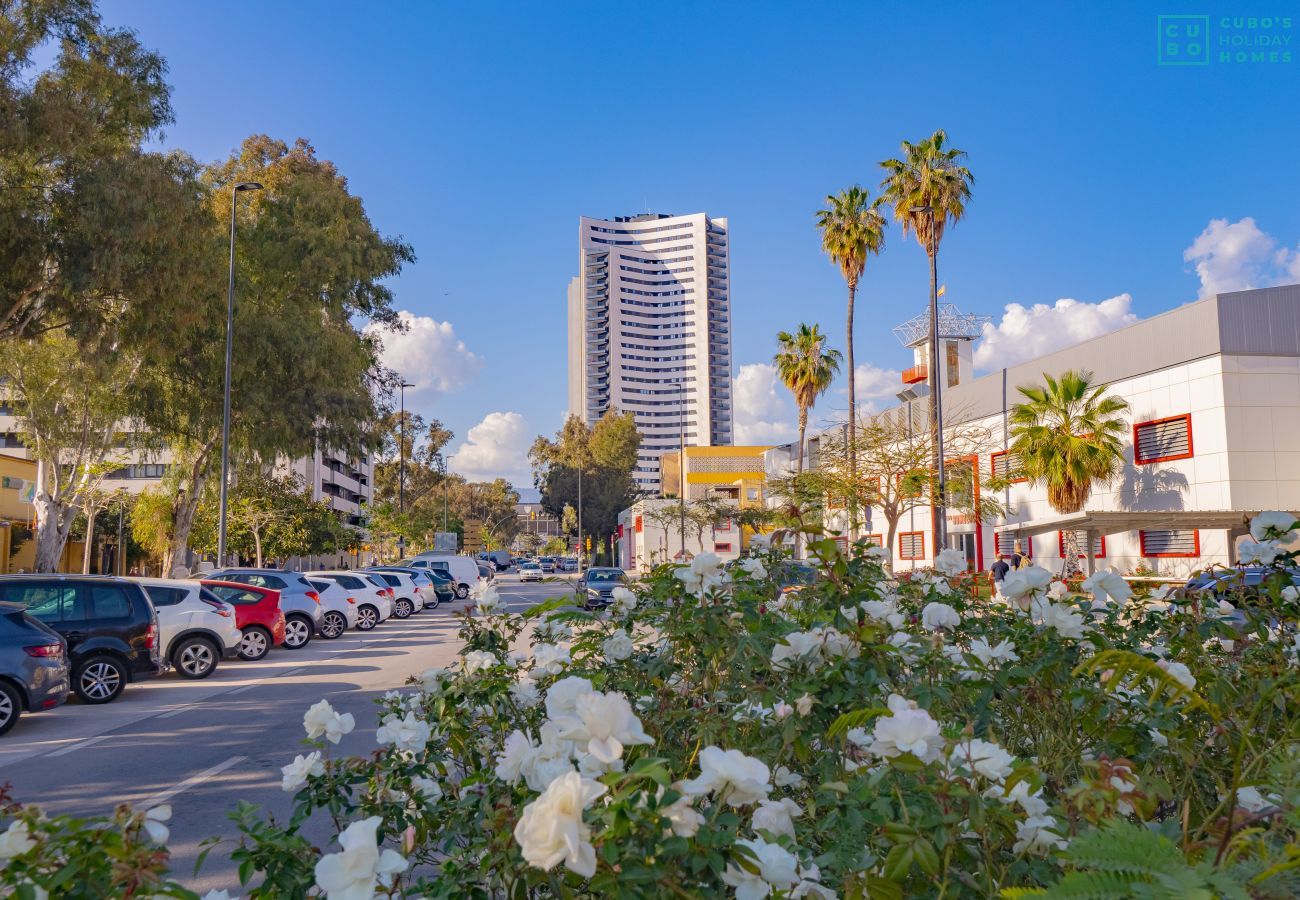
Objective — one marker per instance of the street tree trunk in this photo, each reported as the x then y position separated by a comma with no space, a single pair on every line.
853,420
53,522
257,545
937,509
184,508
91,510
891,531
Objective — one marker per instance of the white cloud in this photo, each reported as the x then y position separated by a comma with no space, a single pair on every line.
1237,256
428,355
764,410
1029,332
497,447
873,384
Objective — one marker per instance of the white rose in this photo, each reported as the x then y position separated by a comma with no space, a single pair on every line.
804,705
409,733
777,868
1035,835
982,758
549,659
153,823
487,600
478,661
618,646
754,568
907,729
551,829
359,868
1003,651
782,710
621,601
741,779
1066,621
939,615
878,610
427,788
295,774
1262,553
683,820
783,777
1029,582
1274,524
1179,673
321,719
515,755
776,816
1106,586
16,840
950,562
1291,593
525,693
603,724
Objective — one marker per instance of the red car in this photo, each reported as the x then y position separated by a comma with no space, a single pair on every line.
257,615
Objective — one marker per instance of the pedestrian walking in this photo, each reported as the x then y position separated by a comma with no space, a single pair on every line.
997,574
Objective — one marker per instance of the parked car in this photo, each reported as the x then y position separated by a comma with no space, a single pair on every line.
339,605
443,584
33,666
597,585
487,572
303,615
258,616
373,603
461,568
547,563
109,625
425,583
530,571
406,596
197,629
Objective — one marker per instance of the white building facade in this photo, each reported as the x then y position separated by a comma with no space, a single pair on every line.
649,328
650,533
1213,389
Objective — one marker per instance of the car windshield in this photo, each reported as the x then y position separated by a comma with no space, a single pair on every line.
612,576
797,574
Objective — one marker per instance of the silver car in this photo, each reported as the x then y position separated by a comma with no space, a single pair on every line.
299,601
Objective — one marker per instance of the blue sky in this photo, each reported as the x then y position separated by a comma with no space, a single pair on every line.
480,132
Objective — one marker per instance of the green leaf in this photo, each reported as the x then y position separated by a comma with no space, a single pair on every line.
854,719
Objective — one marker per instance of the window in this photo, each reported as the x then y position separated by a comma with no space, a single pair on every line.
47,602
1081,540
911,545
1006,464
721,547
266,581
393,580
1004,542
237,596
1171,543
876,539
110,602
1162,439
165,596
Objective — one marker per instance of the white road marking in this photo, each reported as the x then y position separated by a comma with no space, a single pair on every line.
80,745
192,781
292,671
176,712
247,687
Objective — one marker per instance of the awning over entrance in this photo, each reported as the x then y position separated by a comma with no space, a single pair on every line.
1098,523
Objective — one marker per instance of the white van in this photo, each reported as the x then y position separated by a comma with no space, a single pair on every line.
461,568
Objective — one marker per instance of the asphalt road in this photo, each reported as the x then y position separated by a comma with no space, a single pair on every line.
203,745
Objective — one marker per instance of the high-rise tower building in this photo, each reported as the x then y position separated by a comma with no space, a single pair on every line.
650,331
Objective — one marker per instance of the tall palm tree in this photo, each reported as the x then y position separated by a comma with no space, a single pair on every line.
1067,435
852,229
928,190
807,367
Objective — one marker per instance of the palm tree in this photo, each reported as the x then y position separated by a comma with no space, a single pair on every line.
1067,437
928,190
852,229
807,367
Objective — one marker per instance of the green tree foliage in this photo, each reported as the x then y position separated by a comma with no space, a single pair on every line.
93,229
68,405
807,366
270,516
310,267
604,454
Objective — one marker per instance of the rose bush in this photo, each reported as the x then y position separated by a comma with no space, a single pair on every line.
712,734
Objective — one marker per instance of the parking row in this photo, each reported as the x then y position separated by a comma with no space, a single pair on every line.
90,636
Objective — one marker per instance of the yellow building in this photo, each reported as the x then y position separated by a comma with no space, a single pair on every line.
734,473
17,542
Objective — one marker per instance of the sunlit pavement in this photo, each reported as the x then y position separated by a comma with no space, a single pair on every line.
204,745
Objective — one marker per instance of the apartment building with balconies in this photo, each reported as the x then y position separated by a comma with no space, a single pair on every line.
649,318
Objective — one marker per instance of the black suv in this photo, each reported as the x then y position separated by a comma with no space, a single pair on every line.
109,624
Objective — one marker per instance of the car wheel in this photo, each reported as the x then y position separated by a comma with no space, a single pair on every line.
11,707
367,618
297,632
99,679
403,609
334,625
195,658
462,591
256,643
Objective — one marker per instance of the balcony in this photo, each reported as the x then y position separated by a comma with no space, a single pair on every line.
916,374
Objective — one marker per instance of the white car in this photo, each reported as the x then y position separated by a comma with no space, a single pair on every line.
407,598
339,605
196,629
374,603
530,572
463,570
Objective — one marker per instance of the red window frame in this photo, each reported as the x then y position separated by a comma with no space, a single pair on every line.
1196,549
1083,554
993,466
1137,461
998,549
721,547
878,539
903,534
725,525
843,541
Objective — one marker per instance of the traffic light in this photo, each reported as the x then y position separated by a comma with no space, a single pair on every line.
588,543
533,515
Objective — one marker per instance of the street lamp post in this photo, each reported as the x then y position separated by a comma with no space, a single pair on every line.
936,395
401,469
235,191
681,463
